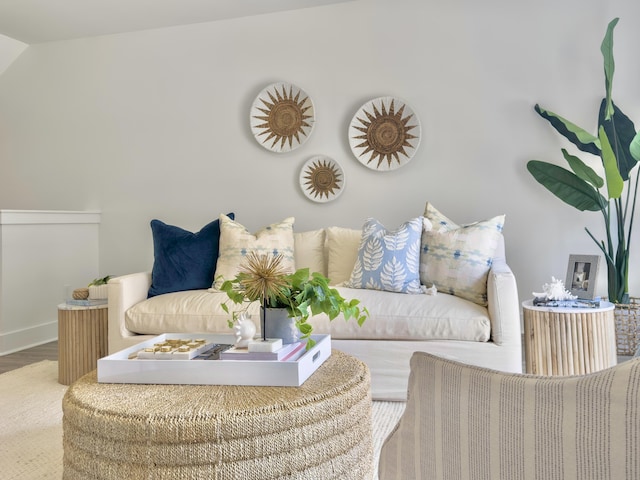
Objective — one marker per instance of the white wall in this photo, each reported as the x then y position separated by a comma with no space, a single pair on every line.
155,124
42,255
10,49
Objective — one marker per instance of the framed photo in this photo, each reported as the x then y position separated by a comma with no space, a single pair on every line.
582,274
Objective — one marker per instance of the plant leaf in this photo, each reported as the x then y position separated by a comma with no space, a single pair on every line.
609,65
305,328
582,170
566,185
615,184
620,131
576,135
634,149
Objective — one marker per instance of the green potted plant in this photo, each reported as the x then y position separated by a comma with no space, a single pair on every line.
263,279
618,145
98,288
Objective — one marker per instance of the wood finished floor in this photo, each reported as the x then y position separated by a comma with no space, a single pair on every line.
12,361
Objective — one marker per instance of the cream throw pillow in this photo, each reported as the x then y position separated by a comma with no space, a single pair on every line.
309,250
456,259
343,245
236,242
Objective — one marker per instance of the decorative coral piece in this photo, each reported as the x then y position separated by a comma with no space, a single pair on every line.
555,291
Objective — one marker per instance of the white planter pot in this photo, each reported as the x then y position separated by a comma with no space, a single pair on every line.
98,292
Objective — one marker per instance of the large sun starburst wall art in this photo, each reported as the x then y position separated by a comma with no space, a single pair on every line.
384,134
321,179
282,117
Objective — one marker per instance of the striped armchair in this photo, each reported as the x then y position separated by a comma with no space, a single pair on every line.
467,422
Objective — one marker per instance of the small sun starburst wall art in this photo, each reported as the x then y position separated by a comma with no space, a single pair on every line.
282,117
321,179
384,134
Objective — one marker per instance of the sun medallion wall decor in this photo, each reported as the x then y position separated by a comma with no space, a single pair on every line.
384,134
282,117
321,179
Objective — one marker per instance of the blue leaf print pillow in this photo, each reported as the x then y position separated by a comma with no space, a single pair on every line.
389,260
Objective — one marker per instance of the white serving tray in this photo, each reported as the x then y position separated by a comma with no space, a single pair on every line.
118,368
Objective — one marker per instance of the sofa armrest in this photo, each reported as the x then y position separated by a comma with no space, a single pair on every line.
503,304
124,292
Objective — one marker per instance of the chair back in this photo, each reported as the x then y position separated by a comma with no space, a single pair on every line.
467,422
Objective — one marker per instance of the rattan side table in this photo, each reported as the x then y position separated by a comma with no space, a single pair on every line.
568,341
82,340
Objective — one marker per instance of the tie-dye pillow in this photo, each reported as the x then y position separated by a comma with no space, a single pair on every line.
457,258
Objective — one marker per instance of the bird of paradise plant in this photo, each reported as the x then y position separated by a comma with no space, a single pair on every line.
618,145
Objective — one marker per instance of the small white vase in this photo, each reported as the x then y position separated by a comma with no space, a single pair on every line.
279,325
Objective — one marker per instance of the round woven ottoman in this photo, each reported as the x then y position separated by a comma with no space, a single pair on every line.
320,430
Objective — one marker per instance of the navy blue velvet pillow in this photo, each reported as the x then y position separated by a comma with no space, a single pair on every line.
183,260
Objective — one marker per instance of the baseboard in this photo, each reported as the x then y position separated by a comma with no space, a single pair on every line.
17,340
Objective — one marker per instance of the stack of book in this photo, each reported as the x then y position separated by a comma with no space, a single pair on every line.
86,303
575,303
287,353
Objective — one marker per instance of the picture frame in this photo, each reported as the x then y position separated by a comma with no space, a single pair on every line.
582,275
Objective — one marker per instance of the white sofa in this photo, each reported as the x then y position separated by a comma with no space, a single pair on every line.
399,324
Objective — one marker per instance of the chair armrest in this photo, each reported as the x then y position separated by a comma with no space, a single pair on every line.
124,292
503,304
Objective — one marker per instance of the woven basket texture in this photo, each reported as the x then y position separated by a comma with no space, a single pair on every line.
80,293
627,316
321,430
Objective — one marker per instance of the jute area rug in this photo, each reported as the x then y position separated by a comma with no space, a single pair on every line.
31,423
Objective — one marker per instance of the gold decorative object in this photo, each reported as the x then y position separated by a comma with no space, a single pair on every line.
80,293
321,179
282,117
384,134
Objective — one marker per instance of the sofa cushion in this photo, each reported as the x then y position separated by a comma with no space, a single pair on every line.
236,242
456,259
310,250
398,316
389,260
183,260
394,316
195,311
342,251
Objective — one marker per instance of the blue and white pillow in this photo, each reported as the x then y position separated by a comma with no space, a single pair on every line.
389,260
236,242
457,258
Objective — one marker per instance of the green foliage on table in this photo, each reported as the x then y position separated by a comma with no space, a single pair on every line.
302,294
96,282
618,145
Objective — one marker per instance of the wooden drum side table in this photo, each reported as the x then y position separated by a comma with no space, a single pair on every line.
568,341
82,340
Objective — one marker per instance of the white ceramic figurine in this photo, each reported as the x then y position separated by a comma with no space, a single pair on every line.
245,330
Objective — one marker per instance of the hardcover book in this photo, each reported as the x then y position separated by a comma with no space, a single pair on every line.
289,351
